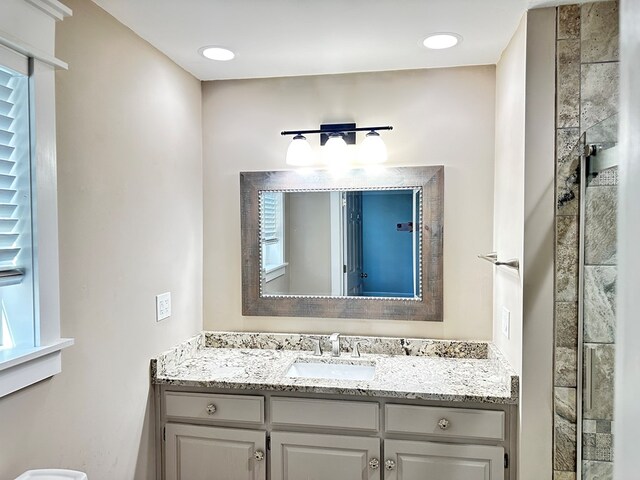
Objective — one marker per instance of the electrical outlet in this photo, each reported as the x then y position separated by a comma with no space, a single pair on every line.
163,306
506,322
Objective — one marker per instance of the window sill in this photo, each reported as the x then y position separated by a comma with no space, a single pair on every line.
21,367
273,272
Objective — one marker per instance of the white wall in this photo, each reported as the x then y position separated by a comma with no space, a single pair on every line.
508,205
130,223
627,387
440,116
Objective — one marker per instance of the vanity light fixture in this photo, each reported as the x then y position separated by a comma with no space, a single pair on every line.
442,40
336,137
220,54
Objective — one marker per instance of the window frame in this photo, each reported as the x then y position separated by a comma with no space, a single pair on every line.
25,365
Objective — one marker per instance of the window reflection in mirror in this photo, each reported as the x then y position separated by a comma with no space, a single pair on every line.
363,243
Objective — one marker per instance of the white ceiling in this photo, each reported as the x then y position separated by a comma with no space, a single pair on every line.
275,38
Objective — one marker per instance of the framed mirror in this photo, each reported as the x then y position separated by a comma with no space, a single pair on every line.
359,245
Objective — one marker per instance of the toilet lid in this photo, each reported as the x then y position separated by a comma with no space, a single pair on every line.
52,474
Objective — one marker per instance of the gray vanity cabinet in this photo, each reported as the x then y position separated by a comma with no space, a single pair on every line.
313,456
215,435
195,452
414,460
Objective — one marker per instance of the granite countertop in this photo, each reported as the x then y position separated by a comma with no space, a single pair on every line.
405,368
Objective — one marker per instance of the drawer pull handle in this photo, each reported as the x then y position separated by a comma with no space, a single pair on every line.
259,455
389,464
211,409
374,463
443,423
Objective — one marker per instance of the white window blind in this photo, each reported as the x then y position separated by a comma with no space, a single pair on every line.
9,234
16,250
271,216
272,230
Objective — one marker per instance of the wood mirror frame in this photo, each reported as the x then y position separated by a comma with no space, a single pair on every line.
429,307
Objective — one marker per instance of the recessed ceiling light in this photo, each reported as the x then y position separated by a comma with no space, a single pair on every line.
438,41
217,53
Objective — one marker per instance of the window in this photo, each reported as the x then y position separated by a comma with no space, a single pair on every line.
272,235
30,343
16,250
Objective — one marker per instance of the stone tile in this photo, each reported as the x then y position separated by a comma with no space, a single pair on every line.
589,426
604,132
601,208
599,32
604,447
568,149
568,21
566,259
564,457
568,83
606,178
566,324
564,475
597,470
599,304
565,403
602,382
565,367
589,446
603,426
599,93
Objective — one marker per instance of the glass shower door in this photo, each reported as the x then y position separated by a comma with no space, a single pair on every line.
597,305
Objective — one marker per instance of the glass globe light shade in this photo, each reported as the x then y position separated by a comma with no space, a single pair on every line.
299,153
335,151
373,150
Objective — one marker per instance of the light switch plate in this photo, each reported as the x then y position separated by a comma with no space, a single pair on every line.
506,322
163,306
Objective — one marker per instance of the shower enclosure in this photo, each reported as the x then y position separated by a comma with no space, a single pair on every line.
598,183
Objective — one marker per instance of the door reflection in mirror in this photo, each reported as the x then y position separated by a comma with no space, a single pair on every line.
362,243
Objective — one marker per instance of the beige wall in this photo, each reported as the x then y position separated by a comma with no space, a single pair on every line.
309,243
536,383
440,116
508,207
130,200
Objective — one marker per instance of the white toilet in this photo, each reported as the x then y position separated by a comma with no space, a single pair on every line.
52,474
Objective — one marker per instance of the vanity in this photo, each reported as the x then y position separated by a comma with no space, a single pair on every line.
262,406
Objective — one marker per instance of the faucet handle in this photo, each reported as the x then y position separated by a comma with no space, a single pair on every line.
356,347
317,346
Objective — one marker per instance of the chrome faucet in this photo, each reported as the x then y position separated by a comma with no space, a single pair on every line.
335,344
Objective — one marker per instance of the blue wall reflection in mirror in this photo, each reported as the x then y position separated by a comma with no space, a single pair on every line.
388,253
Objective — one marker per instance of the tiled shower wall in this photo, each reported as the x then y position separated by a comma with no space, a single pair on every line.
586,94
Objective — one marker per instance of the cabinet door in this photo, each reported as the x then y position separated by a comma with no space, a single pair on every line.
210,453
408,460
297,456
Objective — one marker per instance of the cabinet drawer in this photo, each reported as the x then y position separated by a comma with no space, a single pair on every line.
215,407
446,422
336,414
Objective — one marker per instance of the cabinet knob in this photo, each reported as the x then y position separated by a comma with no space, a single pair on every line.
211,409
443,423
389,464
259,455
374,463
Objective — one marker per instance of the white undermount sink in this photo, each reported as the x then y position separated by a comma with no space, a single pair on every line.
335,371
